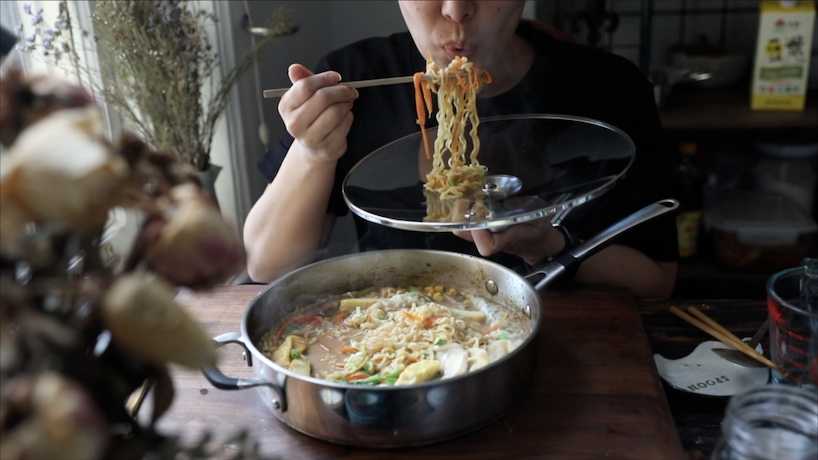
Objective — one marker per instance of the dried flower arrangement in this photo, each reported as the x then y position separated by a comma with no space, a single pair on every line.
78,338
158,67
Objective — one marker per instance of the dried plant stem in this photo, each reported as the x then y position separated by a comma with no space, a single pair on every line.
158,69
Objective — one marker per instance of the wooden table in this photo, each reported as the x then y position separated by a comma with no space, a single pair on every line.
596,393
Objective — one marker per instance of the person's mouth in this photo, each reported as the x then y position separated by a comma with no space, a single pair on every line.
457,49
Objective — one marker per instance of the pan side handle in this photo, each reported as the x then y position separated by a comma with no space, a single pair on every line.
223,382
575,255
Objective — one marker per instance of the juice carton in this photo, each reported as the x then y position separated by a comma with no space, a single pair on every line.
782,55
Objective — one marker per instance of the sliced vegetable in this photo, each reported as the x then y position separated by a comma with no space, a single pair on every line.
348,305
477,358
498,349
356,362
300,366
377,379
475,315
283,355
364,379
453,360
420,371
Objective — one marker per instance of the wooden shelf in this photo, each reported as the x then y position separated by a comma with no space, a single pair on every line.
704,278
691,109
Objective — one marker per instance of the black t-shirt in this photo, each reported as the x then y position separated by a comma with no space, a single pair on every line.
565,78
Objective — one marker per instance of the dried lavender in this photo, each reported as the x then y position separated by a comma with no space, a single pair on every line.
158,67
53,42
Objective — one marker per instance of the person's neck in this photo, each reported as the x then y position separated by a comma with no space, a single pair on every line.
520,56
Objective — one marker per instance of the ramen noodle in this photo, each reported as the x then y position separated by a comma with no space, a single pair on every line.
455,169
395,336
469,207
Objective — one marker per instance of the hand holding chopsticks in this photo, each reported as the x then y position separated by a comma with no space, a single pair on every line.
708,325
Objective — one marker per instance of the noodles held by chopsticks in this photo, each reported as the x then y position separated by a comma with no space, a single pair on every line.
456,87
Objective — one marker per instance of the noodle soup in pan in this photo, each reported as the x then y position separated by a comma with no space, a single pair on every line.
372,413
395,335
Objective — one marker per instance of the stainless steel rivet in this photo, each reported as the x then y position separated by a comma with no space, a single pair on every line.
491,286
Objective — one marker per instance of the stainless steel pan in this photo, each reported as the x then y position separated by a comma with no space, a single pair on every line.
386,417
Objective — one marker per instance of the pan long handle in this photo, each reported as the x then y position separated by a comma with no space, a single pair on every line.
556,268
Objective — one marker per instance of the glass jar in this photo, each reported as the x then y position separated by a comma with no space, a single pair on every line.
770,422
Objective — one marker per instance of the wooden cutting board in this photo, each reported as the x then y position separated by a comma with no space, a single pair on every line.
595,394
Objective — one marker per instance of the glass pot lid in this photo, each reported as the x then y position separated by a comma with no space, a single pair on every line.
537,165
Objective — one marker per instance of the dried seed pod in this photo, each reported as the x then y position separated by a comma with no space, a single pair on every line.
54,417
192,244
63,172
27,99
140,311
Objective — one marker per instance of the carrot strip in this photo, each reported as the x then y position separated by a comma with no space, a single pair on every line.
419,106
412,316
497,325
348,349
339,319
358,376
431,321
461,82
421,120
427,96
301,320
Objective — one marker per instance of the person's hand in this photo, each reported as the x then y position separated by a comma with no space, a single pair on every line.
317,112
532,241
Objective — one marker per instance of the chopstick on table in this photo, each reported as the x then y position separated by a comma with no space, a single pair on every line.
708,325
271,93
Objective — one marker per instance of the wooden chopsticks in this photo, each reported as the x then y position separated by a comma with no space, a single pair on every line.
707,324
